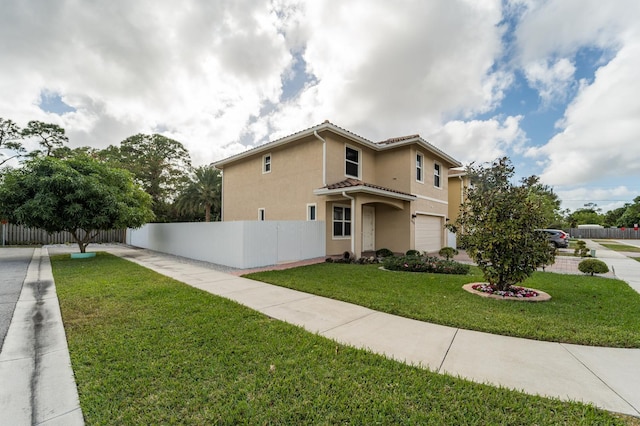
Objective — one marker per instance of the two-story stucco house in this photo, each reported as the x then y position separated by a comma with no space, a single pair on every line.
391,194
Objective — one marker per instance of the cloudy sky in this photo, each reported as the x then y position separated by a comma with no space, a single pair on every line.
552,84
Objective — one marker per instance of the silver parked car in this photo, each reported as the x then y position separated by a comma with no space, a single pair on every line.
558,238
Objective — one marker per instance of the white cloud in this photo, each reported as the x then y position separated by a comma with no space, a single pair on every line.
604,197
479,141
200,69
600,129
552,81
385,68
561,27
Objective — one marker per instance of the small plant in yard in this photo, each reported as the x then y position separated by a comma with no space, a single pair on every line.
593,266
581,249
384,252
412,253
425,264
448,252
514,291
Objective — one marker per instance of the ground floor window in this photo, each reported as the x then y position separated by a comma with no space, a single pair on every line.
341,221
311,212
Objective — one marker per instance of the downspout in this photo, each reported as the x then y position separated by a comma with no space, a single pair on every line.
461,196
324,157
353,223
221,196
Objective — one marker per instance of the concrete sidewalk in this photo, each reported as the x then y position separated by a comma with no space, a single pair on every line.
607,377
37,386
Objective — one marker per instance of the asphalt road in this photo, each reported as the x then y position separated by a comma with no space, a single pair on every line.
14,263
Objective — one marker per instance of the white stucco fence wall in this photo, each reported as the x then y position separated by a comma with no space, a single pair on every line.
242,244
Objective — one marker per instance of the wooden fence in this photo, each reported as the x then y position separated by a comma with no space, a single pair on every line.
605,233
19,235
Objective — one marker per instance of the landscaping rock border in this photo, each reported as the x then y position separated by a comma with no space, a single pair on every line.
541,297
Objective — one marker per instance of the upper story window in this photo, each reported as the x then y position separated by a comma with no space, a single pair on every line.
352,162
419,168
261,214
437,175
266,163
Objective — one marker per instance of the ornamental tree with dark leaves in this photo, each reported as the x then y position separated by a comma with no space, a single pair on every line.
79,195
498,222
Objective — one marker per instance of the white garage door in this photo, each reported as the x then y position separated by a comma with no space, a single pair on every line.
428,233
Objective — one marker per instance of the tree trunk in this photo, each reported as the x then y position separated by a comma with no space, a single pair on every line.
83,242
207,212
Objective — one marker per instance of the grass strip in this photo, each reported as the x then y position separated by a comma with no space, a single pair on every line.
621,247
146,349
583,310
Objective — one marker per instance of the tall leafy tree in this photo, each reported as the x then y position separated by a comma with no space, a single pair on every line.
10,140
49,136
203,193
590,214
79,195
612,217
161,165
500,221
544,196
631,215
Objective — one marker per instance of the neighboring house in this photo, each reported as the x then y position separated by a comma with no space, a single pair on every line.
391,194
458,181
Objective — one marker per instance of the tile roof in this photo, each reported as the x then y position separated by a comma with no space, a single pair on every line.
398,139
327,125
351,183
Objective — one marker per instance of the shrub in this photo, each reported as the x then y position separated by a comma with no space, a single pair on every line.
384,252
412,253
448,252
581,249
593,266
425,264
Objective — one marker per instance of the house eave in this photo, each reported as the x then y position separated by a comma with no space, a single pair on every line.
328,126
452,162
364,189
295,136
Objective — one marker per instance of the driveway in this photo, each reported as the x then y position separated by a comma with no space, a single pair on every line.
14,263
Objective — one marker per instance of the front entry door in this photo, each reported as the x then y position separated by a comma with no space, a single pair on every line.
368,228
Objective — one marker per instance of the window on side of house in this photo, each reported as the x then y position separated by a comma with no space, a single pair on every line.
419,167
311,212
341,221
266,163
352,162
437,175
261,215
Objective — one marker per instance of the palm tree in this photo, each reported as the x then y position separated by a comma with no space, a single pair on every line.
204,191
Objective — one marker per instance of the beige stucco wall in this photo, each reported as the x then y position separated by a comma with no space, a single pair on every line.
296,170
455,197
394,169
393,228
336,159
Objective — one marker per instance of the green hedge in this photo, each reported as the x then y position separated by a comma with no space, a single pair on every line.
425,264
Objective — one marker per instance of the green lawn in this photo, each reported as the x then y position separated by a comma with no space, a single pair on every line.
146,349
620,247
584,310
